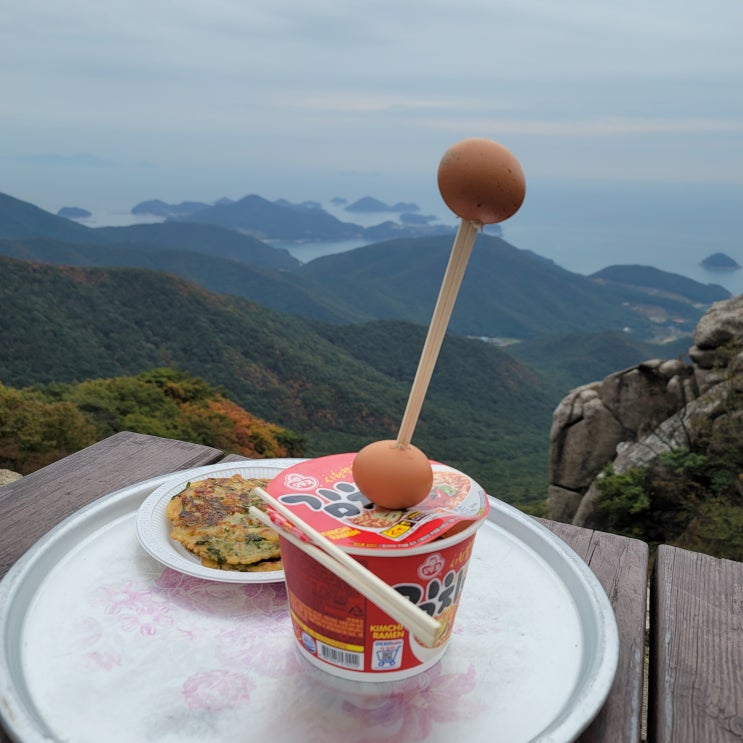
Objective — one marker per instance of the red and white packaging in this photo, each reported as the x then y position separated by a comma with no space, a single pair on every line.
422,552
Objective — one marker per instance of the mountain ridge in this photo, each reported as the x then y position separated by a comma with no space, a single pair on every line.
337,386
280,220
506,292
67,324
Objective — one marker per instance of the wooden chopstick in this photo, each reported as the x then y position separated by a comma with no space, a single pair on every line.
427,629
353,579
460,254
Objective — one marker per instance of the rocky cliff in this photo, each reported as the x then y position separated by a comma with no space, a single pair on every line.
632,416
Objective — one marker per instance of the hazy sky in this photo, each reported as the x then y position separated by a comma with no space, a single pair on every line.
198,99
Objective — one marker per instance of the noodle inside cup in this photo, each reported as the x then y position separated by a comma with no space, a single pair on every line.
422,552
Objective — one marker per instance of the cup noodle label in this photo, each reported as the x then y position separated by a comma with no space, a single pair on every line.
341,631
336,627
322,492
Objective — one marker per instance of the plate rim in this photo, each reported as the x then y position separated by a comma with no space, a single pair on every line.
575,572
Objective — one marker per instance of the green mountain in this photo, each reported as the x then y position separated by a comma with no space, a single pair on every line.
40,425
656,282
339,387
158,208
281,220
506,292
266,219
328,349
211,240
372,205
566,361
282,290
21,221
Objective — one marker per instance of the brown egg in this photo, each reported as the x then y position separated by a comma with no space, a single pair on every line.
392,476
481,180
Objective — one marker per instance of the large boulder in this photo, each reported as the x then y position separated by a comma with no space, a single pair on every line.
634,415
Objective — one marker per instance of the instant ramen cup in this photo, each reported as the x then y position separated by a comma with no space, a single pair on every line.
422,552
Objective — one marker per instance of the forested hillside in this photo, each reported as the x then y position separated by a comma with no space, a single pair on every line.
485,413
42,424
327,350
567,361
282,290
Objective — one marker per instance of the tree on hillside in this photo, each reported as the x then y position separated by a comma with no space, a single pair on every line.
689,498
42,424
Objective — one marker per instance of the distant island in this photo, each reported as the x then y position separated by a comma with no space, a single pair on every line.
73,212
370,205
158,208
719,262
299,222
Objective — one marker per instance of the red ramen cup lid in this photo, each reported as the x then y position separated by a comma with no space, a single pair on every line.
323,494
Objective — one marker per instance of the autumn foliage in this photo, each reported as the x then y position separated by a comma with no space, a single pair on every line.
42,424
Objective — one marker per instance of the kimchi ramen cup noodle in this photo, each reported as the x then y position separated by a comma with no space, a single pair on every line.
423,552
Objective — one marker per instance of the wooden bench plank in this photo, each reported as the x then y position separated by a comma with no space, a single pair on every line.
621,566
29,507
696,650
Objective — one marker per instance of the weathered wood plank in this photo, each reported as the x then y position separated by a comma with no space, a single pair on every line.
29,507
696,649
621,566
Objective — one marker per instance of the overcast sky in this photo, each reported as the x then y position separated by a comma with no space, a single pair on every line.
198,99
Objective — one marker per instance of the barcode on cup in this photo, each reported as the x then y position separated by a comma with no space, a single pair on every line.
343,658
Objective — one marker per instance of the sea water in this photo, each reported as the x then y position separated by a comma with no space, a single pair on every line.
584,227
673,227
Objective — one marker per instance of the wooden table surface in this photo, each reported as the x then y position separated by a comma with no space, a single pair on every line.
696,648
34,504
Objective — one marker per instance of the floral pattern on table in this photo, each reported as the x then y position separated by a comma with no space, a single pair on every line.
241,643
415,704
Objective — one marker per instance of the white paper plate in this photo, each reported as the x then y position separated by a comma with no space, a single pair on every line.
99,642
153,527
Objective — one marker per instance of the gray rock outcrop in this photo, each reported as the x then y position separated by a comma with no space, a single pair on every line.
8,476
635,414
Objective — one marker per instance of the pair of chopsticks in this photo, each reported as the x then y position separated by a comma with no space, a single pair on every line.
425,628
